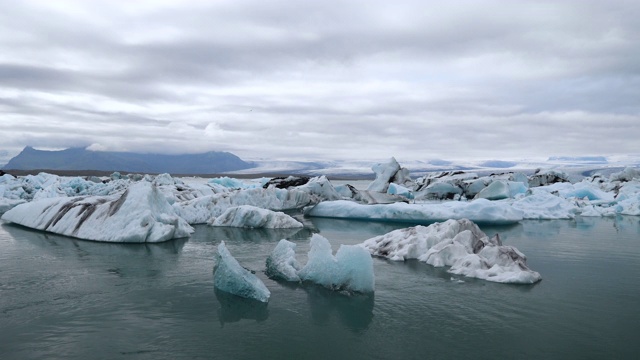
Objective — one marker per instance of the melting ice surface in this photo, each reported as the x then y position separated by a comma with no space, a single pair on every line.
229,276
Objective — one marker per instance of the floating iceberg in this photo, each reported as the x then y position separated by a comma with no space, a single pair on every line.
232,278
201,210
140,214
247,216
480,210
351,269
282,263
459,244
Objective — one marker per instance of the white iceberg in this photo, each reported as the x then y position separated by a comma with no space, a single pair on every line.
247,216
140,214
350,270
459,244
232,278
480,210
202,209
282,263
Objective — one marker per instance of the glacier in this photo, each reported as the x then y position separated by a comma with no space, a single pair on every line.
247,216
139,214
459,244
229,276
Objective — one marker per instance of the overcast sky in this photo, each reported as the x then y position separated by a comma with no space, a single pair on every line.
308,80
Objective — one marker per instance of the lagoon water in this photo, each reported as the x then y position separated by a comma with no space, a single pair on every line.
63,298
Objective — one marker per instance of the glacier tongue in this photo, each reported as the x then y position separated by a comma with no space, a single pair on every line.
229,276
140,214
459,244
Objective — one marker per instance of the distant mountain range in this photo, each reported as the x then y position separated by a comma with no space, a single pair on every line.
212,162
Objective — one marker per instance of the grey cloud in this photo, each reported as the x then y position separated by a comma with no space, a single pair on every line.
470,78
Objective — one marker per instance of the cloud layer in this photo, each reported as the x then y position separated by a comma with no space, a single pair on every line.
358,80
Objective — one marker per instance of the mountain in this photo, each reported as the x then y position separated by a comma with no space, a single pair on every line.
82,159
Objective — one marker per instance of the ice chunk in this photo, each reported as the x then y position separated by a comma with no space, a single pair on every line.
232,278
395,189
230,183
459,244
282,263
480,210
351,269
439,191
140,214
627,174
384,175
501,189
247,216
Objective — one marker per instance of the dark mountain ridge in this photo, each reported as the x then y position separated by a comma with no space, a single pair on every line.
212,162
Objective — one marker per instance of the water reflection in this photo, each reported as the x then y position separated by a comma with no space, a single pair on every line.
355,226
354,311
235,308
82,248
231,234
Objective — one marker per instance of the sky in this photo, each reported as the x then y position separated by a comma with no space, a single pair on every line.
323,80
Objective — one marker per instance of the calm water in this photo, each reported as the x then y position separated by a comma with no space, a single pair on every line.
72,299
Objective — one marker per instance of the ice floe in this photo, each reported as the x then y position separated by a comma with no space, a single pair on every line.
459,244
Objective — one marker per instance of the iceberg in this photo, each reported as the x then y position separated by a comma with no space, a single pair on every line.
389,172
459,244
282,263
140,214
232,278
480,210
247,216
202,209
350,270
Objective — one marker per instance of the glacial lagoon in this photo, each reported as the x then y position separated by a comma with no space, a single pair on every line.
64,298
